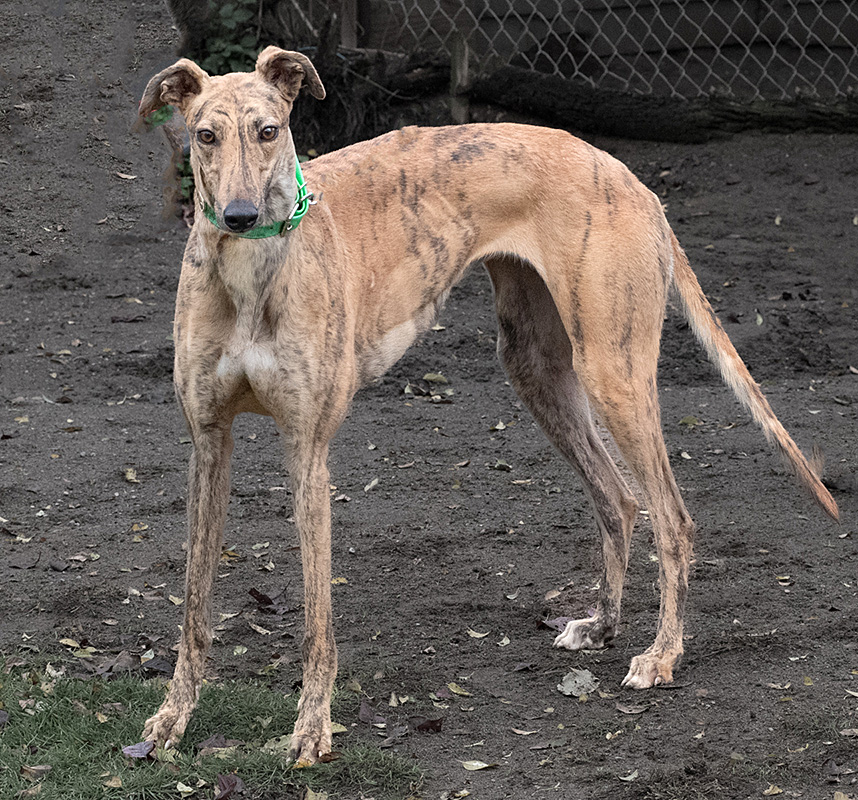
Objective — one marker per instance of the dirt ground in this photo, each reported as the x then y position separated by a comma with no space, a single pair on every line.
93,458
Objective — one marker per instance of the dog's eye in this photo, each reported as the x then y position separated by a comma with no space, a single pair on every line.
205,136
268,133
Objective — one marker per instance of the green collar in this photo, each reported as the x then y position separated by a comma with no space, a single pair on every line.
302,204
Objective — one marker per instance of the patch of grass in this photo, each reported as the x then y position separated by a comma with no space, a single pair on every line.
78,728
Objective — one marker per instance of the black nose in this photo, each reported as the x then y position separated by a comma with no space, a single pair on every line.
240,215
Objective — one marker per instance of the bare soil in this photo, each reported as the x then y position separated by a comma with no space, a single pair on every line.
93,457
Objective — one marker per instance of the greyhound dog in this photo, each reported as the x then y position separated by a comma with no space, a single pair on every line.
289,320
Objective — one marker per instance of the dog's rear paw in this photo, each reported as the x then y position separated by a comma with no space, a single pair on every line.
584,634
650,669
167,726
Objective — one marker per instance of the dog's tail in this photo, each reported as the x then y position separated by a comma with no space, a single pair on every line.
721,352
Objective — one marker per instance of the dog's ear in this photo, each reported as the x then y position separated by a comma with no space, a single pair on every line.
288,70
173,86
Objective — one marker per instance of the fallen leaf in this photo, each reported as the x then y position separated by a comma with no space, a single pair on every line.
503,642
578,683
227,786
849,732
435,377
371,485
184,789
130,475
35,773
426,725
126,177
139,750
114,782
259,629
336,727
772,790
472,766
501,466
176,601
523,733
628,778
556,624
339,581
475,635
456,689
631,708
368,715
239,650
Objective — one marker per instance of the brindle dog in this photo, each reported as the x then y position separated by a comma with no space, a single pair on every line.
581,258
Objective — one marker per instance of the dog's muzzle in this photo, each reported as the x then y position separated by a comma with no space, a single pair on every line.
240,216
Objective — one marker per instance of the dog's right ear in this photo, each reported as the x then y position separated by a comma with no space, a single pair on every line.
174,86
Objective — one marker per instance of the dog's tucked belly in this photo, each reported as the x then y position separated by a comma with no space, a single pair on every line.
255,361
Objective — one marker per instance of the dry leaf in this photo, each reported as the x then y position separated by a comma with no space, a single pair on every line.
35,773
578,683
629,778
456,689
475,635
126,177
259,629
131,475
772,790
472,766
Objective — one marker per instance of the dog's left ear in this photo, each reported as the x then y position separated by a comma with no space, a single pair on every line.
288,70
173,86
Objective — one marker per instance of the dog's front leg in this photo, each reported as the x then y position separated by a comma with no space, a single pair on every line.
208,497
311,492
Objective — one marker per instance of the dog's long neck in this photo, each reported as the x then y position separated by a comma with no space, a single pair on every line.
245,268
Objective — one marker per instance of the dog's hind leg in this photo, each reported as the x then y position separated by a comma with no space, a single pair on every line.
613,314
535,350
208,497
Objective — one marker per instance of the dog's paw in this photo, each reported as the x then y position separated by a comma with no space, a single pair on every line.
650,669
584,634
167,726
306,748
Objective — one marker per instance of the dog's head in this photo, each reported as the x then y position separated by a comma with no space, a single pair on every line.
242,152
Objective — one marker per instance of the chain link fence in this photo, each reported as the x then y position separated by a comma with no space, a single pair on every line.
746,50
